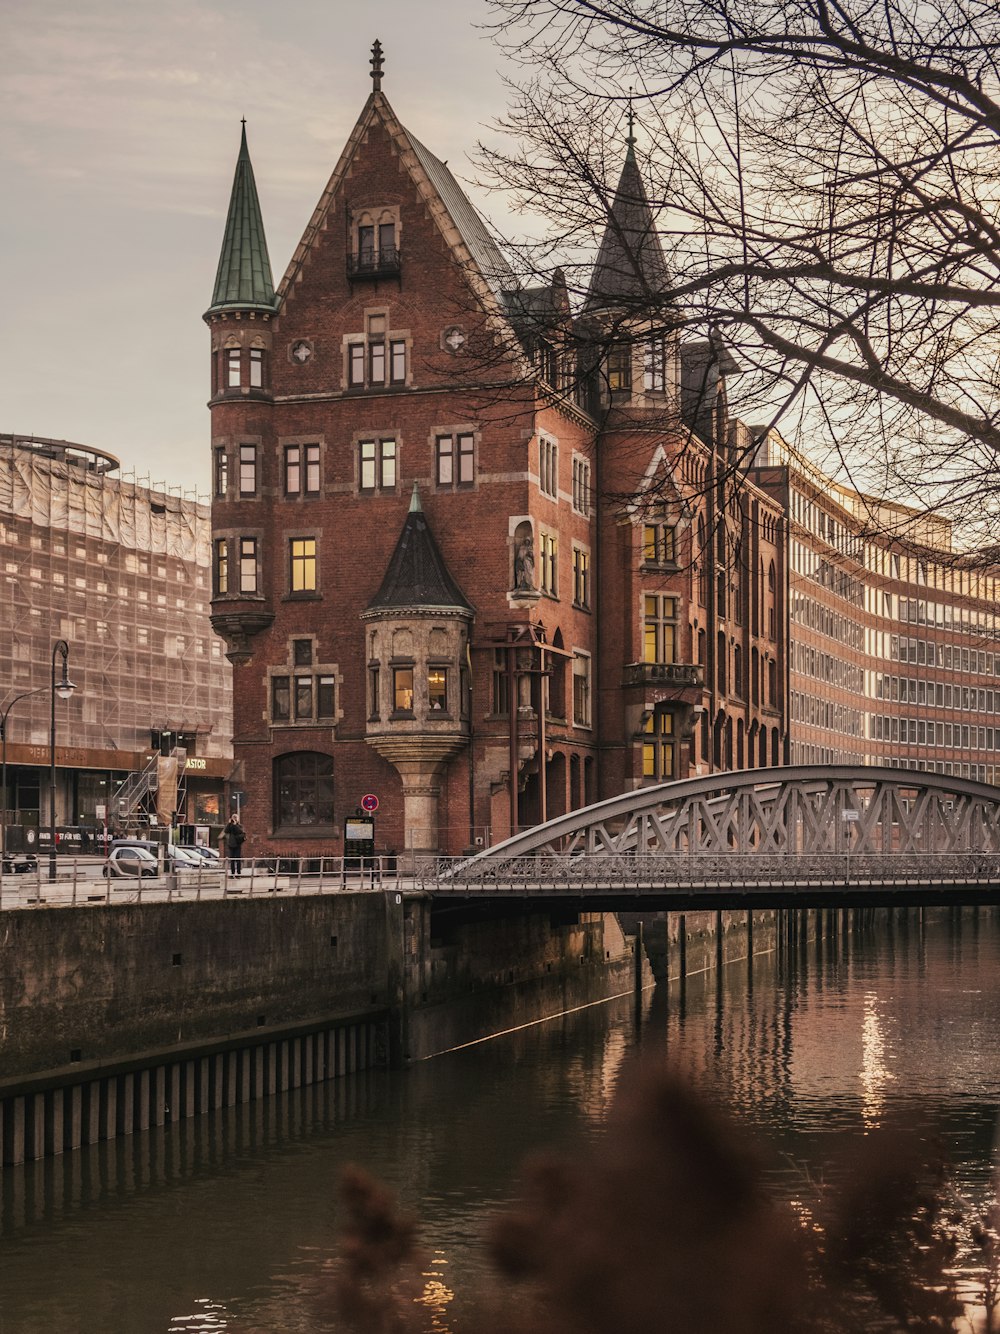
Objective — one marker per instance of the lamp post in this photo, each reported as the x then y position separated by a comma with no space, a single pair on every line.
63,689
4,713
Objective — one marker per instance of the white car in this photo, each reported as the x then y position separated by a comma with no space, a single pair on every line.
130,861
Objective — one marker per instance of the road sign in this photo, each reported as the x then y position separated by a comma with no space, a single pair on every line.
369,802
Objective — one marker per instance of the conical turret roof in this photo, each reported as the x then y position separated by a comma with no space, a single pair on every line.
630,265
243,280
417,576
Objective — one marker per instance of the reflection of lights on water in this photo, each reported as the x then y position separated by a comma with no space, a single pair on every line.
211,1317
436,1296
875,1074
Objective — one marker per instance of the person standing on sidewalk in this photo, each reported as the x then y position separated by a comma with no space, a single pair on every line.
234,836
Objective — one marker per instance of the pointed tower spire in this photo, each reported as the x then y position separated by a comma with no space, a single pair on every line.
630,264
243,280
416,575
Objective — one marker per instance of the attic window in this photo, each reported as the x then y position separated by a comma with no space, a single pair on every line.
374,245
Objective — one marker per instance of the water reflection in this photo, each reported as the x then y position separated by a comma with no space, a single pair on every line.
228,1222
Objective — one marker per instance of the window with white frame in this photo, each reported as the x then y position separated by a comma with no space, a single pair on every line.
654,364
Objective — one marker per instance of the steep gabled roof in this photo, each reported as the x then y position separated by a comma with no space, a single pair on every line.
472,247
630,265
243,280
417,576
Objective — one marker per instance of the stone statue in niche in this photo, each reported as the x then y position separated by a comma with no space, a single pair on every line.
524,559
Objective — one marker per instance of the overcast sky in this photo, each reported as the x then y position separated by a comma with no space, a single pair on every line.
119,130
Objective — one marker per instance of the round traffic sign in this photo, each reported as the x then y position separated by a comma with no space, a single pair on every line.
369,802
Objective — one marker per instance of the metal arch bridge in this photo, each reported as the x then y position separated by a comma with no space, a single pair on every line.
798,835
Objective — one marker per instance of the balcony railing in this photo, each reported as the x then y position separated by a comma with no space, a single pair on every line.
679,674
384,263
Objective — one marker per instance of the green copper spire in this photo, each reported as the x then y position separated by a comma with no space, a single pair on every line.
244,281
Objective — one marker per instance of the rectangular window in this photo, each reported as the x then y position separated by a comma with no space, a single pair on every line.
303,698
581,486
397,354
455,460
654,366
658,544
377,465
233,368
501,684
355,364
386,242
366,246
221,565
324,697
437,688
659,629
256,367
581,690
312,470
302,555
248,565
374,685
302,652
221,472
281,709
581,577
248,470
550,570
620,368
548,467
293,470
402,689
658,747
376,363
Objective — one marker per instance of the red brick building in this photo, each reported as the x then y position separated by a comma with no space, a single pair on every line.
463,532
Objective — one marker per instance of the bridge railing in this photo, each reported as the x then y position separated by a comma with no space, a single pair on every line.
646,871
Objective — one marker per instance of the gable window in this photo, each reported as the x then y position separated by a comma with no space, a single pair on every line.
221,565
658,746
302,470
221,471
302,564
658,542
248,470
377,465
375,250
548,467
581,689
659,642
303,791
454,462
581,485
581,577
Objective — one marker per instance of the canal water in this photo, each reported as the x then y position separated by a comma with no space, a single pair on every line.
229,1221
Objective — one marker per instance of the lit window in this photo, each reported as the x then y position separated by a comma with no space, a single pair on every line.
437,688
658,746
581,577
377,465
302,553
455,460
581,690
550,569
248,470
658,543
620,367
402,689
659,629
248,565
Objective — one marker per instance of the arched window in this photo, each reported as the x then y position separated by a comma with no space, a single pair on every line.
303,791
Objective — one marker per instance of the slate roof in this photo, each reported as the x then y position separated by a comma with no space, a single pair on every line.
630,264
417,575
243,280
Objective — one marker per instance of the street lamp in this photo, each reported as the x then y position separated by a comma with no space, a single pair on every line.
4,712
63,689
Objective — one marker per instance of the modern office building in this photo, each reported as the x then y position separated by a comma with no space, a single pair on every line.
893,648
119,573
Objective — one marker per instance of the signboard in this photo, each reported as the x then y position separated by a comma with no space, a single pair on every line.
850,815
369,802
359,829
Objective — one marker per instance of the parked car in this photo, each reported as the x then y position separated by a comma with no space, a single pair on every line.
131,860
19,863
208,855
173,855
